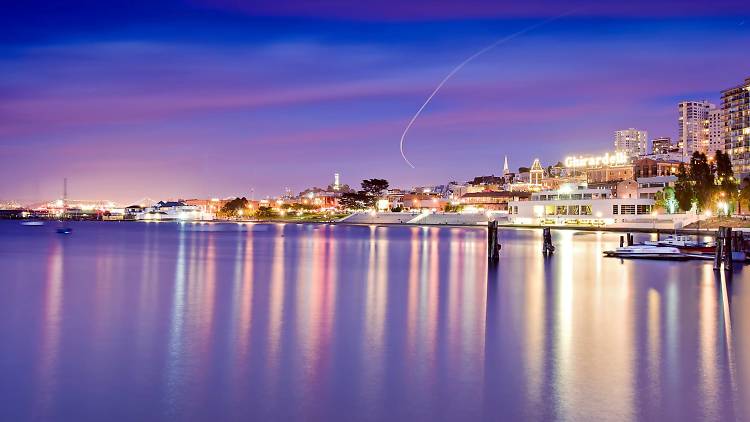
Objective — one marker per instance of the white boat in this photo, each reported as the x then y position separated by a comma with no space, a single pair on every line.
32,223
647,252
678,241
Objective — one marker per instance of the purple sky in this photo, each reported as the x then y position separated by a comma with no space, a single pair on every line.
213,98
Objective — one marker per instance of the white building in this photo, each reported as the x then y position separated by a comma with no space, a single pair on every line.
171,211
579,205
632,142
715,130
692,134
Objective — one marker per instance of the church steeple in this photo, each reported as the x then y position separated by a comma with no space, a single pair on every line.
505,167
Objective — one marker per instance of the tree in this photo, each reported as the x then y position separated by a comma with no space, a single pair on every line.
702,177
665,199
234,207
265,213
684,192
725,175
353,200
374,187
744,194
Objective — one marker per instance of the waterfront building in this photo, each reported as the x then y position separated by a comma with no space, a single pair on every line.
692,127
423,202
580,205
209,206
173,210
651,167
661,145
632,142
735,105
492,201
714,130
131,212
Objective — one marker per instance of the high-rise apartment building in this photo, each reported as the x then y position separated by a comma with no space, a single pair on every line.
631,141
735,106
692,135
714,130
661,145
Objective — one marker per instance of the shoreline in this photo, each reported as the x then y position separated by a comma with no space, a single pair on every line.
694,232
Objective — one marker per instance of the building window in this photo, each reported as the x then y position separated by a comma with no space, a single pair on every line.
573,210
644,209
549,210
585,209
627,209
614,209
562,210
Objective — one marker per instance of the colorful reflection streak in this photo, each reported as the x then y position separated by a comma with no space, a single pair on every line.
323,322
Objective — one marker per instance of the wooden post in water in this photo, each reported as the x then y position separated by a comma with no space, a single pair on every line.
723,248
493,246
728,248
622,241
547,247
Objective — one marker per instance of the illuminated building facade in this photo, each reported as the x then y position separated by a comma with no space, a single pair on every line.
492,201
609,173
735,104
647,167
661,145
536,173
632,142
579,205
692,135
714,130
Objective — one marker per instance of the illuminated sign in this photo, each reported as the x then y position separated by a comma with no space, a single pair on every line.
616,159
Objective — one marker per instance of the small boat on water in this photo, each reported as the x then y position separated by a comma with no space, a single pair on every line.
64,230
32,223
684,243
648,252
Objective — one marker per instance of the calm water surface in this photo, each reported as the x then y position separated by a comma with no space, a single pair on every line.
129,321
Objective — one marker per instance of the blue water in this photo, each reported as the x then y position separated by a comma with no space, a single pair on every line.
137,321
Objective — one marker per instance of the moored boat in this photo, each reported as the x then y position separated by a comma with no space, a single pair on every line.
648,252
684,243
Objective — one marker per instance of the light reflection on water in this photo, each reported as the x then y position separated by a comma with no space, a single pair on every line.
281,321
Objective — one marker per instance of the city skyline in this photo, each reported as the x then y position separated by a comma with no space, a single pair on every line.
205,99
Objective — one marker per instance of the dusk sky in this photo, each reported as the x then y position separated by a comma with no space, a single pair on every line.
166,99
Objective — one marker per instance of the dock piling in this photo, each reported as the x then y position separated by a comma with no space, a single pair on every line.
726,244
728,248
493,245
547,248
